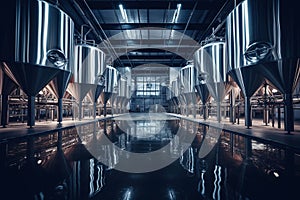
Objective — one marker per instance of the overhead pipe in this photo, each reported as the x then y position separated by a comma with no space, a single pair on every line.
114,53
213,21
126,48
185,28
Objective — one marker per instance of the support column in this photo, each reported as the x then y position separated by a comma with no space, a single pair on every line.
60,110
194,110
4,113
232,109
279,116
187,110
94,109
248,114
52,114
288,113
219,112
104,110
231,143
248,148
266,107
204,112
80,110
31,113
273,115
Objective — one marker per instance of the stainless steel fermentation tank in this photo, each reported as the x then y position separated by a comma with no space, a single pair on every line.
187,78
246,74
36,45
176,87
211,63
175,95
202,91
88,74
112,76
169,98
200,84
263,38
124,87
122,93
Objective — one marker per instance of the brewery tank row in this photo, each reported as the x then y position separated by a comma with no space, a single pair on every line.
38,51
260,48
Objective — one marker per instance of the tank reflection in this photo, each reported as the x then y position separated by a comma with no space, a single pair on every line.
59,165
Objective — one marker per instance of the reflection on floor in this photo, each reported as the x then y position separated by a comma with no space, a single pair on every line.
58,165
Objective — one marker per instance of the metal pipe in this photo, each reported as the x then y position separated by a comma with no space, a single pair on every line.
123,31
213,21
103,32
187,24
183,33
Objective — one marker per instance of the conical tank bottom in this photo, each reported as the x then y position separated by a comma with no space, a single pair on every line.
98,91
117,101
34,172
60,82
248,79
219,90
175,101
203,92
95,92
190,98
7,85
182,99
284,74
78,152
104,96
32,78
58,167
113,98
79,90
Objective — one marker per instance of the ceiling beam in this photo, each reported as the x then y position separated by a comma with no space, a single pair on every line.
151,4
176,26
150,57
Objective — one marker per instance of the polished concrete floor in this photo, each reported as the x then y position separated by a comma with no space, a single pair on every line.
258,130
38,165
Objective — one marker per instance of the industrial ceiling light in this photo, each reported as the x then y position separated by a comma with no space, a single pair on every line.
123,13
176,13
